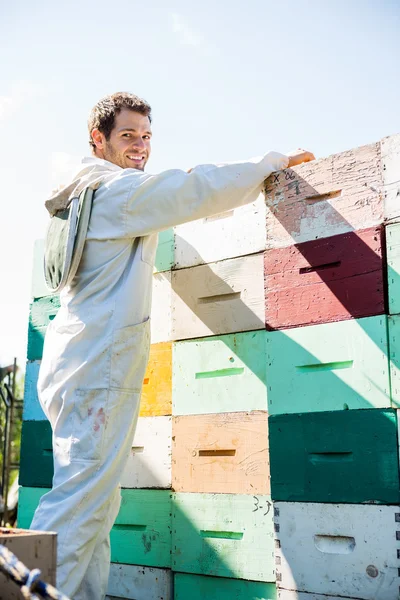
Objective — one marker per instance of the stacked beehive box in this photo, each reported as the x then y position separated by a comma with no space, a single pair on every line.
331,375
287,318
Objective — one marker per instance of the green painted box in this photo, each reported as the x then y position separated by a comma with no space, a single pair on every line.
393,266
142,531
42,311
335,457
394,353
165,251
327,367
36,465
224,535
199,587
219,374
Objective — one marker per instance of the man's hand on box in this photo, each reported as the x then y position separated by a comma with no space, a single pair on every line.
299,156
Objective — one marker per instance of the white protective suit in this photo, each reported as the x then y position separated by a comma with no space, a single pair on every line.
96,349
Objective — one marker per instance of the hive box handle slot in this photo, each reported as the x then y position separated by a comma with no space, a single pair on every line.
329,366
219,216
334,544
219,298
137,449
222,535
219,373
317,457
321,197
217,452
126,527
331,265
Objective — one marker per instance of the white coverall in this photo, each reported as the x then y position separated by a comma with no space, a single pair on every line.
96,349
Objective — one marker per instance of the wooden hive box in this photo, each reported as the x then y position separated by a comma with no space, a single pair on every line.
156,397
225,535
200,587
346,550
43,310
295,595
142,531
342,456
149,464
393,265
331,279
36,550
221,453
223,297
390,153
324,198
333,366
32,409
36,467
131,582
394,354
220,374
221,236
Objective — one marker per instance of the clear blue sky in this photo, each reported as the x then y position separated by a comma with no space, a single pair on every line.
227,80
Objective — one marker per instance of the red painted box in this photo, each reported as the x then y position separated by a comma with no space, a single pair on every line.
330,279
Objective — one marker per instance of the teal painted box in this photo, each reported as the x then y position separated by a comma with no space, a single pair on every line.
224,535
333,366
42,311
200,587
32,409
36,465
225,373
335,457
142,531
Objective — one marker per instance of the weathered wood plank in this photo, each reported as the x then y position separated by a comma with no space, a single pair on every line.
342,550
332,279
199,587
157,384
36,550
36,466
225,453
149,464
390,149
324,198
221,236
132,582
393,266
222,297
32,409
341,456
333,366
142,531
227,535
220,374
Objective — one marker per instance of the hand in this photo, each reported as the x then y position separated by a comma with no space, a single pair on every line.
297,157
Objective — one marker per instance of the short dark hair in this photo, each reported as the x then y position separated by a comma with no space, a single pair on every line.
102,116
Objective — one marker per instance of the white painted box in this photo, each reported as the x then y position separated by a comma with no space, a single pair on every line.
149,463
326,197
294,595
237,232
161,308
139,583
38,283
350,550
222,297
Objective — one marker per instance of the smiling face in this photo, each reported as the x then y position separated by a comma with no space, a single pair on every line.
129,143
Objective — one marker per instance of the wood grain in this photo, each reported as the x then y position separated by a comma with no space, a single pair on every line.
225,453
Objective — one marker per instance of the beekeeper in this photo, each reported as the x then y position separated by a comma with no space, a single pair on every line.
96,349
